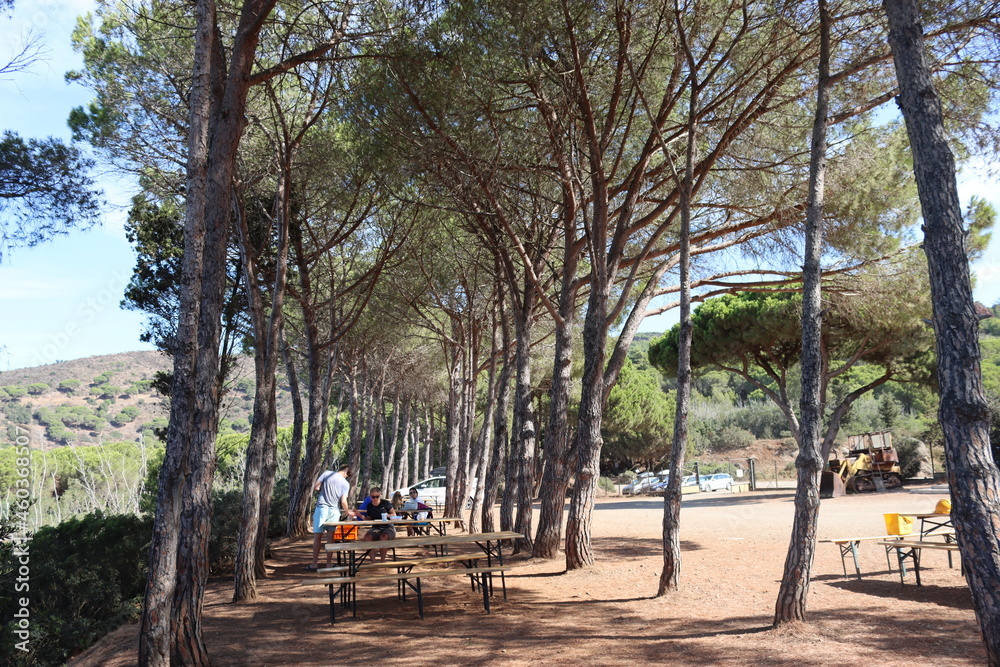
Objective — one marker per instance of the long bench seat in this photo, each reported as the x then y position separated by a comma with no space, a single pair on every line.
346,586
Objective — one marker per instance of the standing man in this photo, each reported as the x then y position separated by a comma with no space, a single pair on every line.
333,488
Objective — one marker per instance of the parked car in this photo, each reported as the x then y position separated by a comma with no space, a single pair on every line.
717,481
432,491
690,480
638,486
660,485
631,488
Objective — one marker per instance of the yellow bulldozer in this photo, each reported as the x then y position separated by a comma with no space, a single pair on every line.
872,464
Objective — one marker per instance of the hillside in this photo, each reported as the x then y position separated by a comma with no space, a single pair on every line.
108,398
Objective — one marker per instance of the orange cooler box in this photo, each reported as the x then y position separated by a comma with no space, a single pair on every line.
347,533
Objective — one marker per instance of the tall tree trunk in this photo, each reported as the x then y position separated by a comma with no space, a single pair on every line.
429,444
357,429
389,446
670,575
258,480
155,636
556,475
793,594
579,552
295,447
416,439
372,403
459,484
481,454
404,453
963,412
178,569
269,469
321,370
498,459
453,427
523,443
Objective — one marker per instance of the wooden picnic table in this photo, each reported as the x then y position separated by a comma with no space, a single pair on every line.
850,545
439,525
489,543
406,575
934,524
931,523
910,550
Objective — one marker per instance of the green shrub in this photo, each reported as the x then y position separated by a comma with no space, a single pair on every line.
38,388
126,416
606,484
731,438
18,413
59,434
911,452
278,520
227,514
15,391
990,326
87,578
69,386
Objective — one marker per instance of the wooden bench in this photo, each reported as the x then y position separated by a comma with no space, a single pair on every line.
849,545
407,564
910,549
346,586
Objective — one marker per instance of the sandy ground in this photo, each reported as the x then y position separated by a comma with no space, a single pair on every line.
733,551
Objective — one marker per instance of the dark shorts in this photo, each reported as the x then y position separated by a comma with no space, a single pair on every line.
378,531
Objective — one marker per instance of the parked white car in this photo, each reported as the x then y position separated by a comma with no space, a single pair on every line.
717,481
639,486
432,491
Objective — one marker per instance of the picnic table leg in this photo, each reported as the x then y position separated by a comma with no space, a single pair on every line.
420,600
486,592
503,581
854,553
333,605
916,564
901,559
843,552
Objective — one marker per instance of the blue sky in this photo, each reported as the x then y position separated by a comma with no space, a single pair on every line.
59,300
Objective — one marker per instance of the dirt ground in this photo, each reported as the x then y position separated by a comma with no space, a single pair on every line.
733,552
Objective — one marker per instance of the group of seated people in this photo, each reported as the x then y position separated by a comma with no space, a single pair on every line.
375,507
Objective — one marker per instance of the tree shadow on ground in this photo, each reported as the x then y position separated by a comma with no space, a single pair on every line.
696,500
957,597
578,620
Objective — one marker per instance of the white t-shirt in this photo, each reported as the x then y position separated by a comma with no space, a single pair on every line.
333,487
